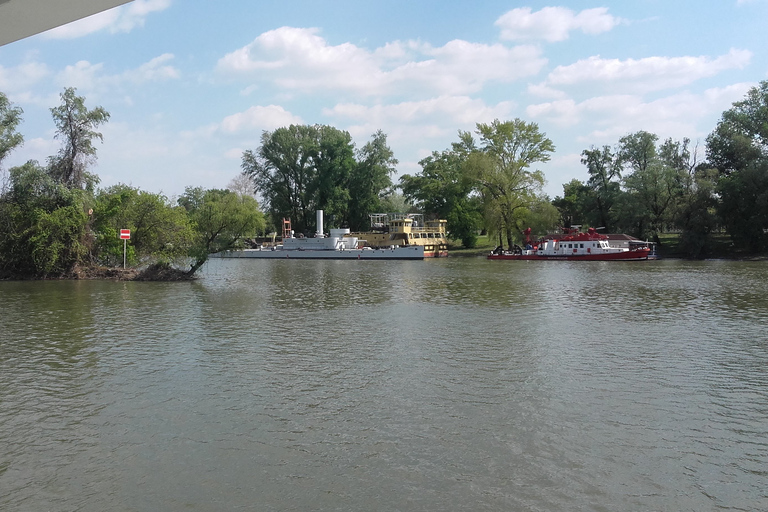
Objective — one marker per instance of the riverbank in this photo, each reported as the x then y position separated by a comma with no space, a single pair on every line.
154,272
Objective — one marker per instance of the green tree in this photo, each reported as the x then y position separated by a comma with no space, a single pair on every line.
334,167
159,230
369,180
654,178
300,169
220,220
42,225
604,170
741,136
577,206
444,188
10,117
502,169
696,215
738,149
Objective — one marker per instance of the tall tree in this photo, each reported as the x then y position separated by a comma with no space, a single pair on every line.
76,128
10,117
738,149
334,167
444,188
10,139
159,229
220,219
369,180
503,169
654,178
604,170
300,169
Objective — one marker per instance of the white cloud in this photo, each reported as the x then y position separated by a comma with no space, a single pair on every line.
553,24
604,119
81,75
21,78
91,77
647,74
155,70
259,118
298,59
120,19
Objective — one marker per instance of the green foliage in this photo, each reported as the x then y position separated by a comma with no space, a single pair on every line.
604,191
741,136
300,169
502,169
744,205
369,179
445,188
75,127
159,230
10,117
738,149
42,226
220,220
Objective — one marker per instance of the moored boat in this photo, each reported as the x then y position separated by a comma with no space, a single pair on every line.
406,230
574,245
340,245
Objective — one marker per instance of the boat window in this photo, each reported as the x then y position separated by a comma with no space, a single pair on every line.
581,246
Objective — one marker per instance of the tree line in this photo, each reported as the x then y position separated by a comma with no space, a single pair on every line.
645,187
640,186
54,220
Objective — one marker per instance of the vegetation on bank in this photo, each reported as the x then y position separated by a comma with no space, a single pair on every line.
56,222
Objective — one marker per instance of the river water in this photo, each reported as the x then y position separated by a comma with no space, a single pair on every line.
453,384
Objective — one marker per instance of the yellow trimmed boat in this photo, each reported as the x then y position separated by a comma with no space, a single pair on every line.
405,229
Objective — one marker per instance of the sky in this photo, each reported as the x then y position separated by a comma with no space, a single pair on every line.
191,84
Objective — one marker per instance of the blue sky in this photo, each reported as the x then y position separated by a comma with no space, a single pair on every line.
191,84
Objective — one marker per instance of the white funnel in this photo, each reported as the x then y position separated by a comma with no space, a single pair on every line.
319,233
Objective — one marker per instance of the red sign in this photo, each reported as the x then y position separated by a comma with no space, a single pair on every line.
125,234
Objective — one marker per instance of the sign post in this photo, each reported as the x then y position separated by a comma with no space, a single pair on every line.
125,235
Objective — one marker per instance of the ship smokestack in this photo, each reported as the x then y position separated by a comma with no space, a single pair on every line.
319,233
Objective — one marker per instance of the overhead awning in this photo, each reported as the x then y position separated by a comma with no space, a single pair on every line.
24,18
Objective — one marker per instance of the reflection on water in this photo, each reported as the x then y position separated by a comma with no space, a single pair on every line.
452,384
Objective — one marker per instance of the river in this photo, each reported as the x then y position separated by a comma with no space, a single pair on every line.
452,384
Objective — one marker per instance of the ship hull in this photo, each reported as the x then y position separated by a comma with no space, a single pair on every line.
634,255
397,253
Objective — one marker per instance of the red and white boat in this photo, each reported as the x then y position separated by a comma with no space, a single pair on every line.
574,245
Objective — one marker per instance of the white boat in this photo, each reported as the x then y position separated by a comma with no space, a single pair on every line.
338,246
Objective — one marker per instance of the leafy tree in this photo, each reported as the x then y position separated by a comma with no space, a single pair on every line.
334,166
741,136
604,170
369,179
42,225
654,180
577,206
502,169
444,187
10,117
744,205
75,127
220,220
159,230
696,215
300,169
738,149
